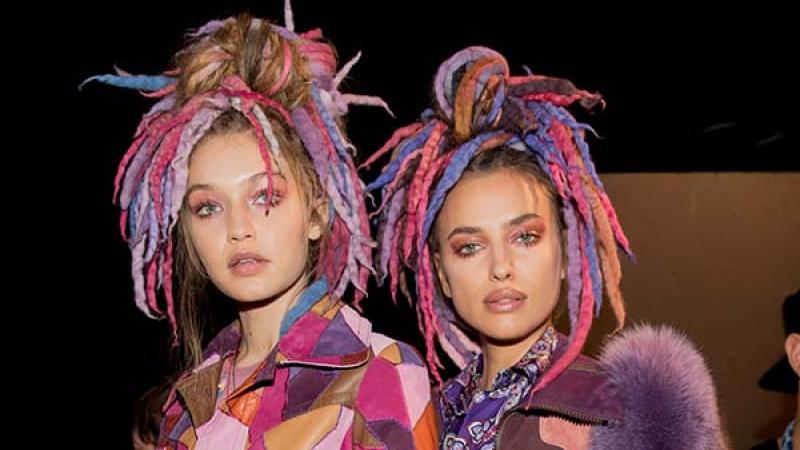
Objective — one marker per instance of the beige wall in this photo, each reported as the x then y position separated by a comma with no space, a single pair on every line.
716,255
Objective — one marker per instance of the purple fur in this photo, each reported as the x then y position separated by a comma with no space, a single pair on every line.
667,392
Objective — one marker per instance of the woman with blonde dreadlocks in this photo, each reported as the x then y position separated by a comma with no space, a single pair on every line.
492,203
243,169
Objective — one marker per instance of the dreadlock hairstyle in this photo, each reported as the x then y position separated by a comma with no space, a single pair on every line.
481,108
241,72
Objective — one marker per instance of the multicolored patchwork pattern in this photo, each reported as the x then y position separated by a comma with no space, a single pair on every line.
329,383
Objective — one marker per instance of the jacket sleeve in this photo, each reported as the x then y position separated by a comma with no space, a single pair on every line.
667,391
393,407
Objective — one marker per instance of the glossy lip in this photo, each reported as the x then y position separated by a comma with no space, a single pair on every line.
504,300
246,263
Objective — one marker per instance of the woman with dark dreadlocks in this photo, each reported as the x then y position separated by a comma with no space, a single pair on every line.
241,174
492,204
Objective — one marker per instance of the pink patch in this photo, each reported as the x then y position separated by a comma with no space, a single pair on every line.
213,359
416,389
302,336
381,394
348,438
563,434
380,342
340,434
272,403
361,327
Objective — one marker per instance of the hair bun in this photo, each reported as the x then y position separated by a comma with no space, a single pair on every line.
470,90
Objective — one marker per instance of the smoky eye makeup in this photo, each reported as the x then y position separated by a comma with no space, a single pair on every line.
202,205
465,247
529,232
280,187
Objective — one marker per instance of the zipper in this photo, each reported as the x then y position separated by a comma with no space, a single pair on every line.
570,416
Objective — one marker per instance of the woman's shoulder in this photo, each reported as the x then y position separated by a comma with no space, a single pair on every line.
382,347
394,392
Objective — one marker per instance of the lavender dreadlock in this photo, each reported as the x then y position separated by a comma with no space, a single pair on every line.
151,179
480,107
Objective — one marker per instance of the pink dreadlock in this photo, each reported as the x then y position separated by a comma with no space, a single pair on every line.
481,107
151,179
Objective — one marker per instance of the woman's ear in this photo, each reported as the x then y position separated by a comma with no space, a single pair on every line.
562,248
792,346
445,285
318,220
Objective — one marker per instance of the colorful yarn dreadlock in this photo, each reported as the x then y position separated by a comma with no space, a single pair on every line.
479,107
151,178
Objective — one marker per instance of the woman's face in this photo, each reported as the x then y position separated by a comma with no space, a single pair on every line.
499,256
249,253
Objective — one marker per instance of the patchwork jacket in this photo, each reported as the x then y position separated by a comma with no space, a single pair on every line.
329,383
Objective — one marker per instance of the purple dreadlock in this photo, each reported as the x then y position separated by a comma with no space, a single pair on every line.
479,106
151,179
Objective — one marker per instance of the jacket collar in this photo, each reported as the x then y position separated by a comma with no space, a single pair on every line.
319,331
583,392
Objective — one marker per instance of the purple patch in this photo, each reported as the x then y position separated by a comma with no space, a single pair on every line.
305,388
294,371
583,389
392,434
409,355
267,372
184,423
225,341
337,339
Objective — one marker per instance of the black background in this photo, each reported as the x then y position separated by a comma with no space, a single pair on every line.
686,90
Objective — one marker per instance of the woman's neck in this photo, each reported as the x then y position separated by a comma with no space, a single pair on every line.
261,323
500,355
